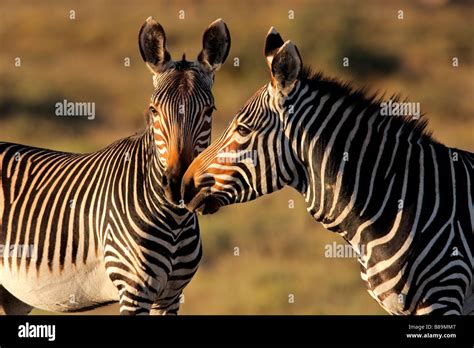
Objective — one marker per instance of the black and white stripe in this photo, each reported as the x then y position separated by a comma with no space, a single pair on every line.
105,226
401,199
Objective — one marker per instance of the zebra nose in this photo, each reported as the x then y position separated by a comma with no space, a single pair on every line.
188,189
171,182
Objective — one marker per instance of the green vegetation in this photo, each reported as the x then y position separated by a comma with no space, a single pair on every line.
281,250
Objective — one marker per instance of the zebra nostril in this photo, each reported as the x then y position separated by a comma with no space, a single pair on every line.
210,181
188,190
165,181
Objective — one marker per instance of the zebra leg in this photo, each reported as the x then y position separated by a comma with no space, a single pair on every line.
167,306
9,304
468,307
133,302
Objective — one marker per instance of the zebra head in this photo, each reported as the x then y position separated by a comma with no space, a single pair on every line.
182,102
254,156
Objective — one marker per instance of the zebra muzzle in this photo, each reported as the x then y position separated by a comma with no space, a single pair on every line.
172,187
198,198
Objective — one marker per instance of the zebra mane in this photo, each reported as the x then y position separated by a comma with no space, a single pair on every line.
334,86
183,64
180,78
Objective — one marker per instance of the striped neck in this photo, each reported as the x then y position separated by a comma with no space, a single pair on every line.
352,156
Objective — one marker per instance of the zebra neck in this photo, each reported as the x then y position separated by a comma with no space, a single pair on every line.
356,161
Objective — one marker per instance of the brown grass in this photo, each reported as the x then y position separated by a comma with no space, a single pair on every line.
281,249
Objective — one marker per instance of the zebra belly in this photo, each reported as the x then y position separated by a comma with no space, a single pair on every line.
72,289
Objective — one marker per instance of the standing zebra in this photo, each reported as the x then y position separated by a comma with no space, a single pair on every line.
382,183
78,231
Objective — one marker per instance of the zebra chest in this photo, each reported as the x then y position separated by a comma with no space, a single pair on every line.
162,257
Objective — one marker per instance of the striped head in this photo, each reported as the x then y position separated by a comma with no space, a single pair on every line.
254,156
182,102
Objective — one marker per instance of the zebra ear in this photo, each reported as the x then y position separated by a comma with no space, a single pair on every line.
215,46
286,67
152,43
272,43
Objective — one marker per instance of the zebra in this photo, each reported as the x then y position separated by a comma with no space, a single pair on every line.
401,199
78,231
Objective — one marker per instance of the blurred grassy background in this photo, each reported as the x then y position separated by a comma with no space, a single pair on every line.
281,249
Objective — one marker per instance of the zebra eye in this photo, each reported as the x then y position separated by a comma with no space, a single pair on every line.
209,110
153,111
243,130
